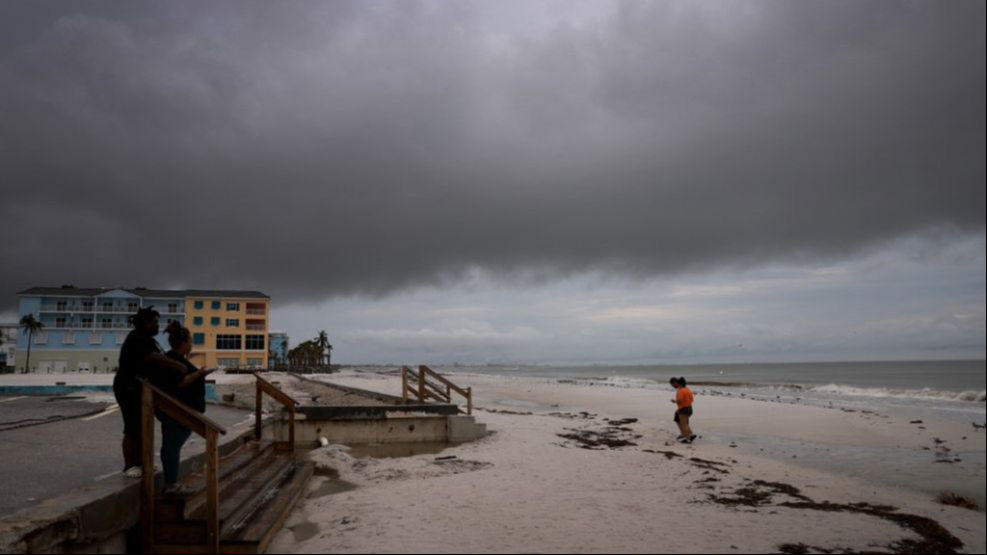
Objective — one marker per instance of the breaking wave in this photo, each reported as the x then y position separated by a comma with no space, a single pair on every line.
929,394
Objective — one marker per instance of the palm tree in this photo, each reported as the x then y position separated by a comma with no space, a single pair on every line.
31,328
325,348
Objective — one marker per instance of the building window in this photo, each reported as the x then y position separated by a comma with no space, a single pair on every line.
106,323
41,338
68,338
107,307
173,308
87,323
199,339
133,307
199,305
255,362
61,323
229,363
232,323
62,306
229,343
96,339
88,306
233,307
197,320
215,321
256,310
216,305
256,343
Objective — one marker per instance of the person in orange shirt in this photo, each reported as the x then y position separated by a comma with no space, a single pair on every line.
684,400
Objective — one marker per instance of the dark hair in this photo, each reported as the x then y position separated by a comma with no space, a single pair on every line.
674,381
177,335
144,317
683,383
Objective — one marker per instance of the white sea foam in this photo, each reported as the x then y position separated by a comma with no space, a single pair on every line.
886,393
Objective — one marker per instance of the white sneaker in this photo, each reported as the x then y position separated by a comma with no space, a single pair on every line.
135,473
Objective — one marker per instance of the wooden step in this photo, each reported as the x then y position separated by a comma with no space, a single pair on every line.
174,508
257,532
240,498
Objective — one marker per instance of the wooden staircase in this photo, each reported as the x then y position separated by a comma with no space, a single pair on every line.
428,385
237,504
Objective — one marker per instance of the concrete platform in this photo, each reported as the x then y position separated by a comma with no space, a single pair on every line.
82,449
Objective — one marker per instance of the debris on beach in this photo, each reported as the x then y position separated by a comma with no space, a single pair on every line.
599,440
568,416
949,499
616,435
670,455
932,537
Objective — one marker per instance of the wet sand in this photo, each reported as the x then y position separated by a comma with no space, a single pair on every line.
579,469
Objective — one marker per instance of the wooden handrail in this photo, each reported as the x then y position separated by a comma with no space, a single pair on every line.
265,387
155,400
426,390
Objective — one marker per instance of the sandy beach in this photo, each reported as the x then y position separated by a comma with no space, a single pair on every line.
574,468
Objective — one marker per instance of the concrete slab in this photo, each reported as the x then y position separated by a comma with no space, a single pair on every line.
49,460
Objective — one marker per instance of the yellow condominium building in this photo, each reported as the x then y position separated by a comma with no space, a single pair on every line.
229,329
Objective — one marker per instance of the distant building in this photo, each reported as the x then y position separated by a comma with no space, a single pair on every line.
85,328
8,345
280,345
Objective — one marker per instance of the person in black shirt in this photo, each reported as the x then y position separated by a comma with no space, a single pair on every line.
140,357
187,387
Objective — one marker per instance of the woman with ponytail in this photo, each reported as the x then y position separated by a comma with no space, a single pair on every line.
189,388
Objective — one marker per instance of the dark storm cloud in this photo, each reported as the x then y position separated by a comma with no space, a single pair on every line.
313,149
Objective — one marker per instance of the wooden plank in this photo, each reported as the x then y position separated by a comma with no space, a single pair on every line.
182,415
259,415
147,455
440,395
291,427
404,385
162,398
434,397
421,384
426,371
212,502
276,393
469,401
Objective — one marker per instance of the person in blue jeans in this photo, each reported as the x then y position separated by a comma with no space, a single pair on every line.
189,388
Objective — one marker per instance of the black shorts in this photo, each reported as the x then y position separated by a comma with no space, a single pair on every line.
130,401
687,412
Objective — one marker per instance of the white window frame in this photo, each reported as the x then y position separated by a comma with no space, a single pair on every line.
96,338
41,338
68,338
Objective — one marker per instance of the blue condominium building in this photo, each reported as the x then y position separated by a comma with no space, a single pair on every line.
84,329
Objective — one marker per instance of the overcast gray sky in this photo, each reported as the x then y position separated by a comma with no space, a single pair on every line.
519,180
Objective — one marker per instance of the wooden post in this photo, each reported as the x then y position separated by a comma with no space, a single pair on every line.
212,489
404,385
147,450
469,400
291,428
422,376
258,425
